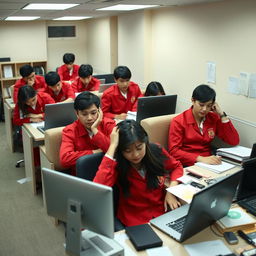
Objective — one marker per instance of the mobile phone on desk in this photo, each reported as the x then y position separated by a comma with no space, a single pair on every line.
230,237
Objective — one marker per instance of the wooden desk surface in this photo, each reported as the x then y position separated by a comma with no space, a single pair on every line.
177,248
34,132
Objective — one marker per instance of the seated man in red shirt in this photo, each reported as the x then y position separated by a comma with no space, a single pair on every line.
85,81
60,91
192,131
122,97
89,134
68,71
28,78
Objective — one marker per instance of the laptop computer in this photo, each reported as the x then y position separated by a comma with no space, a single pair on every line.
207,206
104,87
246,193
57,115
155,106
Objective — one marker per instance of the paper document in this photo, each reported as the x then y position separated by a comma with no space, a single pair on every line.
163,250
40,124
237,151
184,191
210,248
131,115
217,168
8,71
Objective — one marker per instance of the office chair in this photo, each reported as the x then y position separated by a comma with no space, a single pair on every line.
86,168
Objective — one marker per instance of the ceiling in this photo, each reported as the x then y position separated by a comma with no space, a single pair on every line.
86,7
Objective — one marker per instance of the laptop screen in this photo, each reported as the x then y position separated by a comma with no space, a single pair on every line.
247,185
155,106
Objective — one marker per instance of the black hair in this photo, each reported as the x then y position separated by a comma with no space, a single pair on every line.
131,131
26,70
204,93
85,70
52,78
122,72
85,100
25,93
68,58
154,88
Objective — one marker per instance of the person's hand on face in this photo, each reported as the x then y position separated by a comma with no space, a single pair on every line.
114,137
98,120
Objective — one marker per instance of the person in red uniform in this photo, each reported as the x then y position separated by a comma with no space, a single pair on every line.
30,105
122,97
68,71
87,135
60,91
85,81
154,89
191,132
28,78
142,171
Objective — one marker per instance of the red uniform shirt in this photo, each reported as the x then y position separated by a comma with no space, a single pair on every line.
114,103
65,75
65,92
143,203
186,142
42,100
39,85
78,86
76,141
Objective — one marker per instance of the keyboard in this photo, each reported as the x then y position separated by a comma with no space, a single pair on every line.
101,244
178,224
249,204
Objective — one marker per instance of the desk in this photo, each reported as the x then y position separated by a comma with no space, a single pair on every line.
177,248
8,110
31,138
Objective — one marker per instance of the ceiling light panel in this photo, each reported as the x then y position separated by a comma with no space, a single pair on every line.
126,7
49,6
73,18
22,18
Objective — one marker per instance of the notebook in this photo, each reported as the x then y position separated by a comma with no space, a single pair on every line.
246,193
143,237
207,206
155,106
57,115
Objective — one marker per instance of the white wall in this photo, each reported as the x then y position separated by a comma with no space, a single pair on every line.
185,38
23,41
57,47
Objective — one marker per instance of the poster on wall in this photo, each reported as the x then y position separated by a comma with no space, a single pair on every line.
211,72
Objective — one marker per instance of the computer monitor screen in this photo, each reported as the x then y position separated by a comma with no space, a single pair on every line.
96,201
156,106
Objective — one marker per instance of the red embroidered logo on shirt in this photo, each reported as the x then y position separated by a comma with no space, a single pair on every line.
133,99
211,133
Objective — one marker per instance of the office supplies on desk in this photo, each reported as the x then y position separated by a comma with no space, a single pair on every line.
217,168
207,206
246,237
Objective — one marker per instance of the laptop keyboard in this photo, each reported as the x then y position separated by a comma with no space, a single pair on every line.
177,224
249,204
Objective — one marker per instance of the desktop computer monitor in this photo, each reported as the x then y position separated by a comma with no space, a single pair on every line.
151,106
82,204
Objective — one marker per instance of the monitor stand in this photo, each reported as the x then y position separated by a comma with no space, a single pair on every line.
87,243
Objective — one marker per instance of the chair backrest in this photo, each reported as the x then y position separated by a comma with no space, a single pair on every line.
52,146
157,128
87,165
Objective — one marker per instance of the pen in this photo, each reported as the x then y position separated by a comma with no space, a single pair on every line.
245,237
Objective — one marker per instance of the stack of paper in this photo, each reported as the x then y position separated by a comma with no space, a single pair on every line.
236,219
217,168
237,153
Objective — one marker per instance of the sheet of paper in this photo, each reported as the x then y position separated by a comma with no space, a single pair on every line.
131,115
38,124
8,71
218,168
24,180
121,238
209,248
184,191
233,85
237,150
244,83
252,86
164,250
211,72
